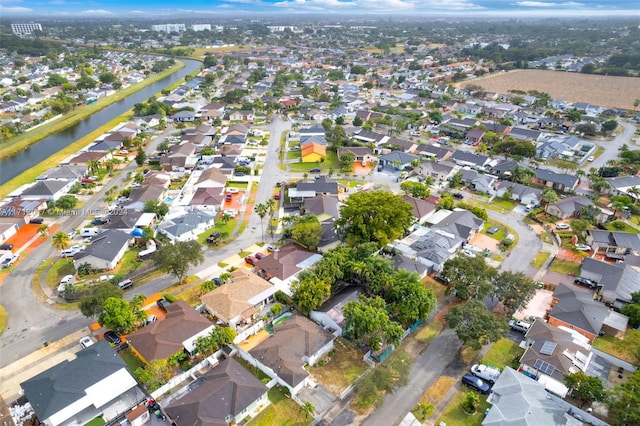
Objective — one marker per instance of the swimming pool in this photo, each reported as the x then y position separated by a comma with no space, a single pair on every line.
281,318
168,200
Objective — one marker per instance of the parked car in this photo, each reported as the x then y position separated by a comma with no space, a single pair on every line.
213,236
315,170
228,197
111,337
150,318
239,174
251,260
68,252
585,282
562,225
521,326
475,383
458,195
468,253
231,190
163,304
99,221
259,255
276,196
85,342
125,284
583,247
442,279
9,261
485,372
7,247
591,158
36,221
272,249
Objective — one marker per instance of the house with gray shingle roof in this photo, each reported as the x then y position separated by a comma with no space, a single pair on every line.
556,181
519,192
429,246
461,223
616,242
470,159
64,172
479,181
440,171
95,383
228,393
625,185
397,160
186,226
50,190
616,281
433,152
105,251
569,207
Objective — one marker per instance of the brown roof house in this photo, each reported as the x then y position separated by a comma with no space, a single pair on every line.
177,332
281,268
226,394
295,341
240,302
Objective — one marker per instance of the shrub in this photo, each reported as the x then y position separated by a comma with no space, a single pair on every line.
169,297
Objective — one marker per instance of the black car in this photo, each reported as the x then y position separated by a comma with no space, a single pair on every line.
6,246
36,221
99,221
585,282
475,383
163,304
315,170
442,279
458,195
112,337
213,237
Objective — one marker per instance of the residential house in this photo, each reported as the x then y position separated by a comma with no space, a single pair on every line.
478,181
8,229
186,226
64,172
246,116
226,394
363,154
503,168
283,267
475,135
527,195
556,181
575,308
469,108
440,171
470,159
553,352
524,134
105,146
517,399
625,185
307,189
180,157
207,199
459,222
367,137
575,206
397,160
613,242
421,209
616,281
401,261
84,158
106,250
19,211
94,384
183,116
177,332
295,342
239,303
123,220
324,207
149,121
313,152
433,152
50,190
139,196
429,246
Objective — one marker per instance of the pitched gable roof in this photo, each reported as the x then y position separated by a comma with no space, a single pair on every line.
105,246
226,390
287,262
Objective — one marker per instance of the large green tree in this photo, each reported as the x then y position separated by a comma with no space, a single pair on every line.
470,276
177,258
415,189
310,291
585,388
307,233
367,321
474,324
92,305
117,315
377,216
408,298
513,289
624,402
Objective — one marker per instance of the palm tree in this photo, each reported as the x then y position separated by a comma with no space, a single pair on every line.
271,204
225,277
308,409
60,240
43,230
93,167
261,209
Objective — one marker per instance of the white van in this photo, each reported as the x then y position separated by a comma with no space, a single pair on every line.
89,232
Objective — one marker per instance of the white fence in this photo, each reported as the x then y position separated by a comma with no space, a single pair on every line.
244,335
211,361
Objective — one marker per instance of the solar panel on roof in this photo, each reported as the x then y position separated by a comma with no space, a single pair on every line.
544,367
548,348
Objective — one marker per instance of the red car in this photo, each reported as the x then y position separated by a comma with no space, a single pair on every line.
251,260
259,256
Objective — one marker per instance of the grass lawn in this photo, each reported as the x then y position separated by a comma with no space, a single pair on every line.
621,227
503,352
539,260
330,162
499,236
98,421
343,365
434,395
565,267
292,155
223,228
623,349
132,361
3,319
62,267
439,290
254,370
429,332
503,203
190,295
283,411
238,185
453,414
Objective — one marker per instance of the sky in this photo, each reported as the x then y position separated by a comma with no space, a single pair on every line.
25,9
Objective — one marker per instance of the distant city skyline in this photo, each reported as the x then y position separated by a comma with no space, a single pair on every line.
172,11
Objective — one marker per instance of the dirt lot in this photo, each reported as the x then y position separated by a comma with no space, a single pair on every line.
616,92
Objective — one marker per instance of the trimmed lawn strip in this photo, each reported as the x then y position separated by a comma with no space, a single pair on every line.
331,162
434,395
540,258
439,290
343,366
454,416
3,319
499,236
565,267
503,353
625,349
190,295
620,226
283,411
429,332
132,361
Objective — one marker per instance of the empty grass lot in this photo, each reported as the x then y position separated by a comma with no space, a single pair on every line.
540,258
62,267
620,348
343,366
504,352
499,235
565,267
439,290
282,412
454,416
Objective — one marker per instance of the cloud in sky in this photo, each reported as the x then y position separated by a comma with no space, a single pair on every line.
548,4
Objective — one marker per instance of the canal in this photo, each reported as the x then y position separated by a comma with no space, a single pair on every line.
11,167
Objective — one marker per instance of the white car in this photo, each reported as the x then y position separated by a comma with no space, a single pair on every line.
583,247
9,261
591,158
232,190
65,281
562,225
469,253
232,213
272,248
85,342
485,372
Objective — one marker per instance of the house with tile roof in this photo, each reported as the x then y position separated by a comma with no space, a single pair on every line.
95,383
176,333
313,152
295,342
283,267
226,394
421,208
239,303
575,308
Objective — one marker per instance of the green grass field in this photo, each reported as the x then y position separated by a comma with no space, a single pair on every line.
503,353
565,267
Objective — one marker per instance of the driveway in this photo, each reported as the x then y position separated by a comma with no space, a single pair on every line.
319,396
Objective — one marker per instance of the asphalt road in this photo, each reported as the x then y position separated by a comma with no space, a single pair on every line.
612,148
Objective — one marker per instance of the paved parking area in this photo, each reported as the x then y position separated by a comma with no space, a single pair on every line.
537,306
319,396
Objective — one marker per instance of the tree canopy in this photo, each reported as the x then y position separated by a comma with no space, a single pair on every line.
367,321
624,402
92,305
470,276
585,388
177,258
117,315
513,289
374,216
474,324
